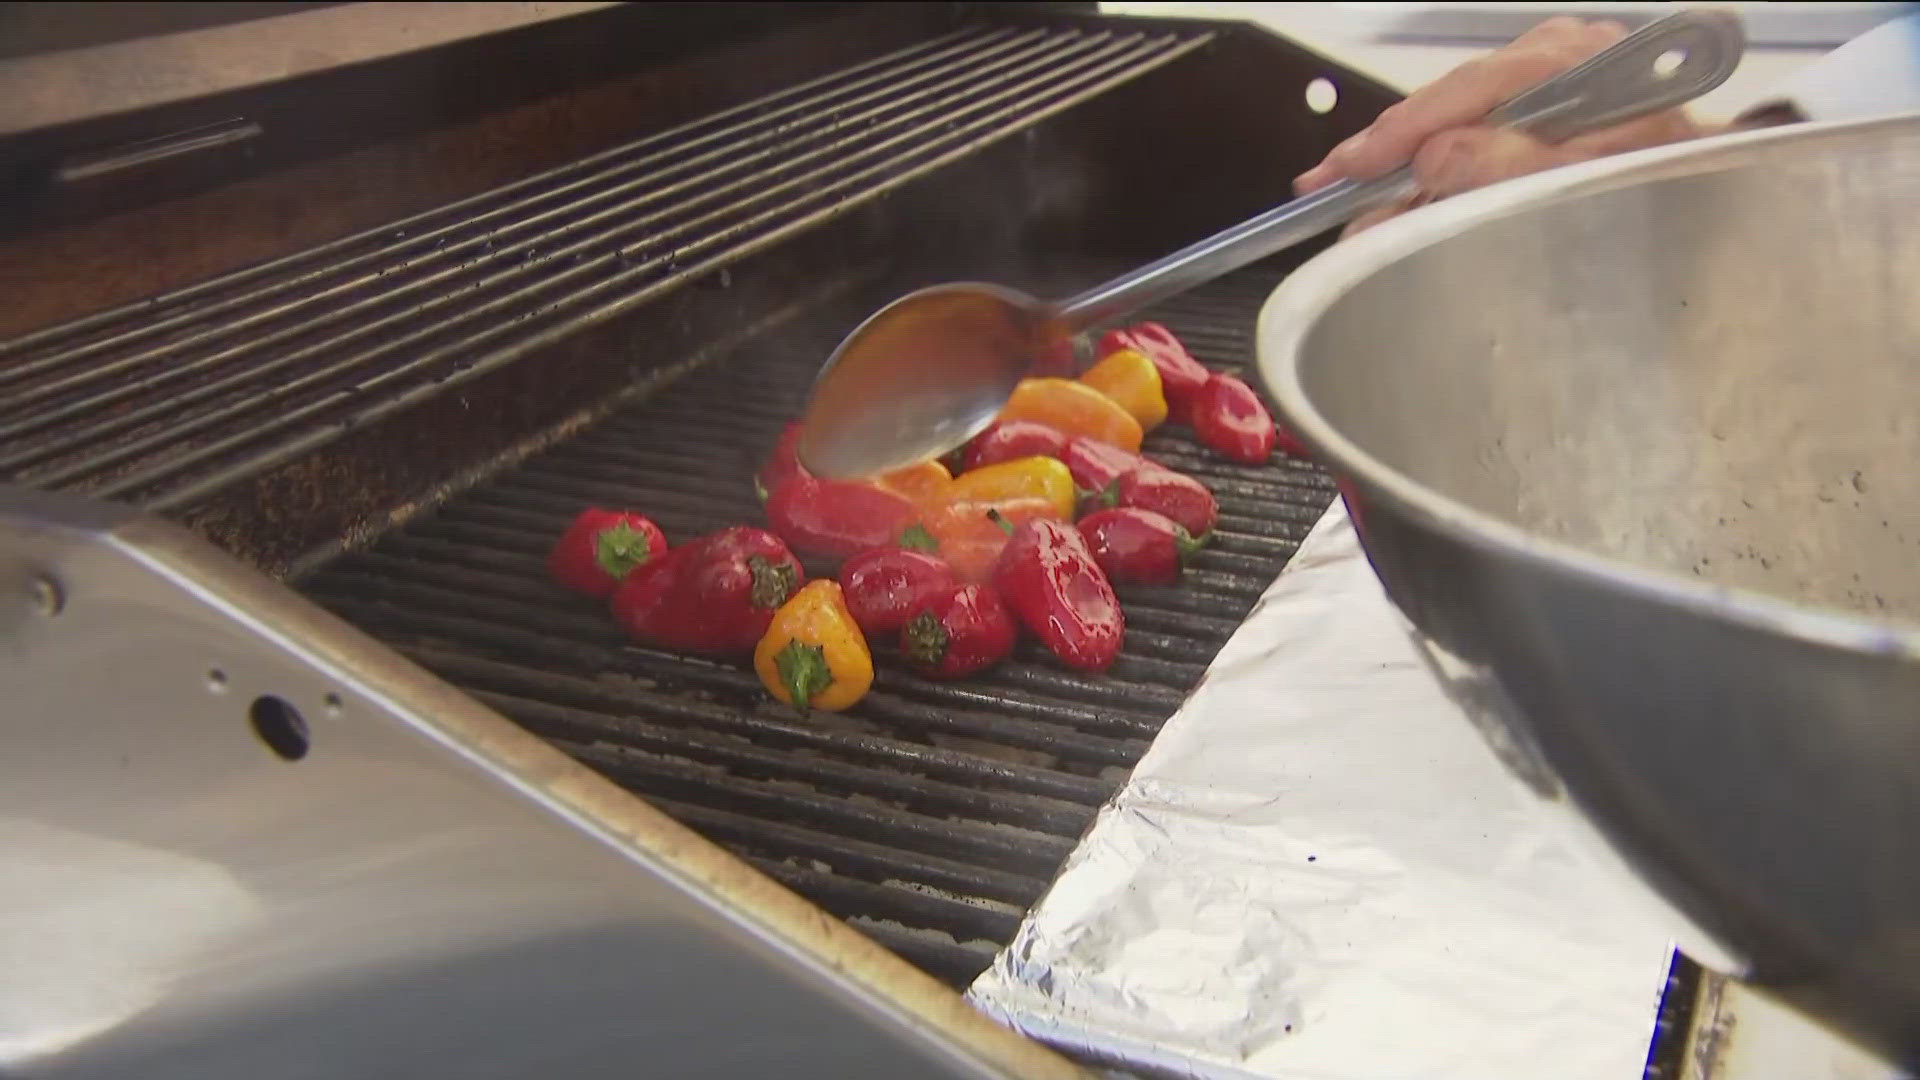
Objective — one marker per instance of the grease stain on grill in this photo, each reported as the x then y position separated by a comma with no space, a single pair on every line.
931,814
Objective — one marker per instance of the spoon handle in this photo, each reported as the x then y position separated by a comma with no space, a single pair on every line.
1666,63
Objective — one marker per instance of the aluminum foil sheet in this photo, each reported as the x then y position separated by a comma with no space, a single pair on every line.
1321,871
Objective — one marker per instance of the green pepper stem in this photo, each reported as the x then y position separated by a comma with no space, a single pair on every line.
619,548
803,671
772,585
925,639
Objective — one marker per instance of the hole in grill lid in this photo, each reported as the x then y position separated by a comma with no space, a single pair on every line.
280,726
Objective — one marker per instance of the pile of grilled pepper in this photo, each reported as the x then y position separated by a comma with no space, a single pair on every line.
1028,528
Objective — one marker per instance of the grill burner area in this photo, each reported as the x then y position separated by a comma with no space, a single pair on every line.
931,815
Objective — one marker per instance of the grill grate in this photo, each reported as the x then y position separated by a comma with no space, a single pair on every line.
168,400
931,815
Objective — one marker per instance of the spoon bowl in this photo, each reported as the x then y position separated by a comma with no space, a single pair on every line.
919,377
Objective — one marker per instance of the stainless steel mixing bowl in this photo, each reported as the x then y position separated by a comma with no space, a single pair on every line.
1635,446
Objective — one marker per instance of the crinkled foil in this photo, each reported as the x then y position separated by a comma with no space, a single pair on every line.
1320,871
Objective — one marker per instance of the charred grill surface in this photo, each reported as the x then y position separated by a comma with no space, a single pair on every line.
931,815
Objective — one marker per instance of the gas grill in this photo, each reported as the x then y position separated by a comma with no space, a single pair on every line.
386,364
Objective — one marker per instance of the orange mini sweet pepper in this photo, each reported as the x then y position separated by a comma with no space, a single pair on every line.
1028,477
813,655
922,484
1075,408
968,536
1130,379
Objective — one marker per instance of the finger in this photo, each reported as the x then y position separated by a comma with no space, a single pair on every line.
1470,91
1374,217
1565,28
1659,129
1330,168
1314,179
1467,158
1465,94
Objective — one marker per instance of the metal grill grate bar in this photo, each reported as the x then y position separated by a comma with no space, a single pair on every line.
863,820
495,627
903,780
539,279
243,382
851,898
859,858
141,319
343,301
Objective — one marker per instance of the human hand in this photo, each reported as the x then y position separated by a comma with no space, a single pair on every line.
1438,128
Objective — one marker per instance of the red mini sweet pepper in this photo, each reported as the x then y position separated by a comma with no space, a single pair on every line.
715,595
1010,439
1095,465
1058,356
885,586
1138,547
837,518
959,631
782,465
1155,487
1231,419
1288,443
1182,378
601,548
969,536
1059,593
641,600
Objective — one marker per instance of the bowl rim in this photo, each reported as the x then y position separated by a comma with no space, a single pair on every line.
1294,308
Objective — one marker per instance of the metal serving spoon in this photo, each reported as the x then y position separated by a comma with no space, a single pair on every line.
933,368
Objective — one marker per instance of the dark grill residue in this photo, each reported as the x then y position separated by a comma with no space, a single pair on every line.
932,814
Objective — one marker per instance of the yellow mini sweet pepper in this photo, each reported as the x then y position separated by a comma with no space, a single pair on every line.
813,655
1130,379
1027,477
1075,408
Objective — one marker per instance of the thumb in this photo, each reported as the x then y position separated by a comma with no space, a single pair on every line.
1467,158
1373,218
